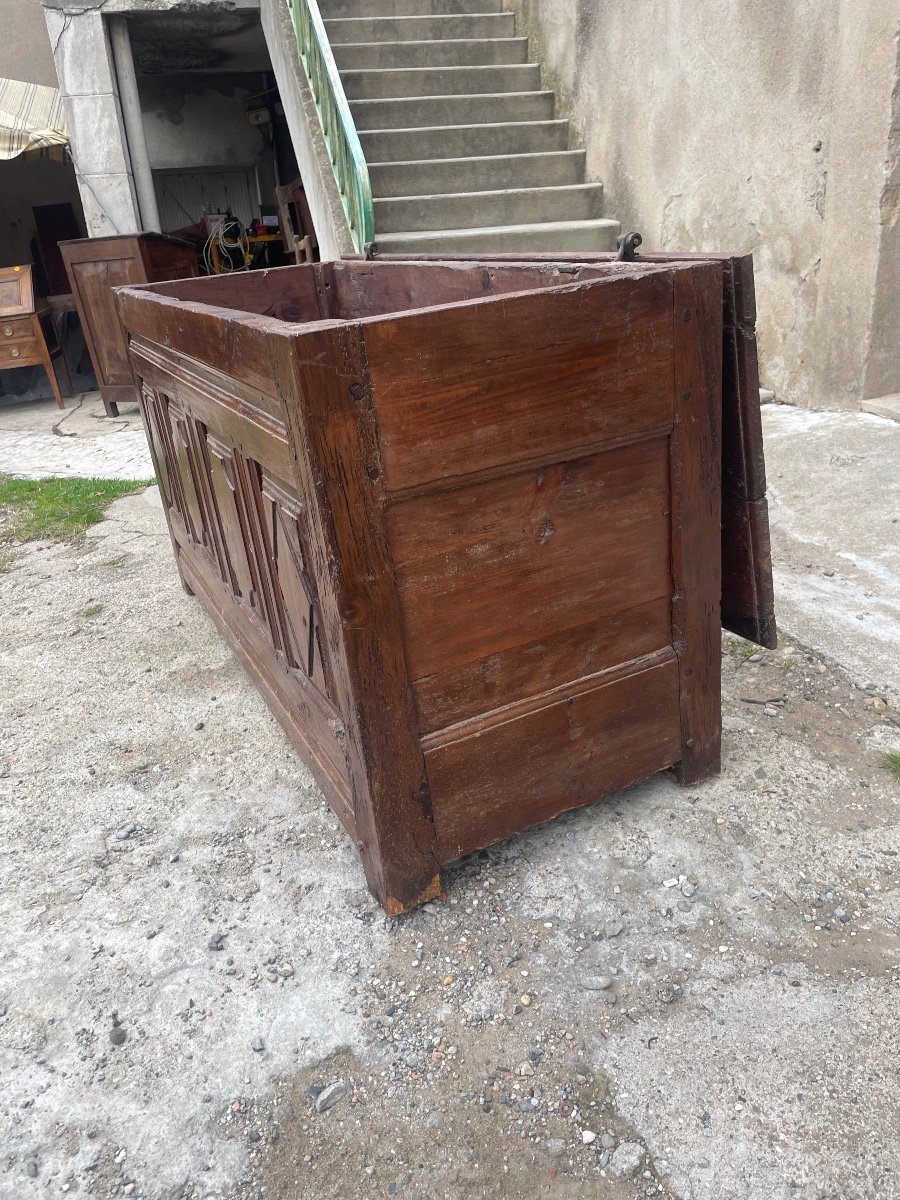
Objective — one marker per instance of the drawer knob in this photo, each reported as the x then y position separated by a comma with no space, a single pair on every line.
7,331
14,352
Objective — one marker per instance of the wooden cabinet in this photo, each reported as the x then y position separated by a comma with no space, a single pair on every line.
28,337
95,266
460,523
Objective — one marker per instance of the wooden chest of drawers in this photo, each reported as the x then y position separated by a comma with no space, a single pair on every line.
27,335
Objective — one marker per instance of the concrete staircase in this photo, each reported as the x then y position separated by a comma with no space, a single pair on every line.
464,150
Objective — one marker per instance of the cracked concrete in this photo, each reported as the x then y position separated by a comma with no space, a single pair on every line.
38,440
684,993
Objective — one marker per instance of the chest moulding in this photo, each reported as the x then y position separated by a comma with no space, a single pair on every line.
461,523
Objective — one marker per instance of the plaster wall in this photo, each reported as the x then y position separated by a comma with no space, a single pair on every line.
719,125
196,122
25,48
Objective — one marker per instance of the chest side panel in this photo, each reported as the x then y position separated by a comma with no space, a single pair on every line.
532,541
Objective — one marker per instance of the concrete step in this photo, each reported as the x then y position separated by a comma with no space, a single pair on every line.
464,141
450,52
448,81
483,174
419,29
453,110
406,8
477,210
560,235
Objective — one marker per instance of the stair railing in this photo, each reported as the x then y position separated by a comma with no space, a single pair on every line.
341,138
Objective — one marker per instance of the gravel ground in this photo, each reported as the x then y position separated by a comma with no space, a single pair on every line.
684,993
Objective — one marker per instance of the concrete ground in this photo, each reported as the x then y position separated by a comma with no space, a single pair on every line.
684,993
38,439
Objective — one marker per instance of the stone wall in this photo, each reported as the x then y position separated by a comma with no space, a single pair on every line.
771,127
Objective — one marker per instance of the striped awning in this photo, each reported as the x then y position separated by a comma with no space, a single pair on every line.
31,121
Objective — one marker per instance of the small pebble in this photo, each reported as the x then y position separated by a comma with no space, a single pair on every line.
525,1000
587,1137
625,1161
329,1096
31,1169
257,1045
596,983
117,1035
216,941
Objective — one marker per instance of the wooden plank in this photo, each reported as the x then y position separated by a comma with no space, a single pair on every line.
459,693
486,568
507,776
747,571
366,289
334,440
696,460
481,384
288,293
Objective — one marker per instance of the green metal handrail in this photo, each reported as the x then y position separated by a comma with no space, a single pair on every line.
341,138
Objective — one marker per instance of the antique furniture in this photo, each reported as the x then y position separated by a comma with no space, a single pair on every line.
28,336
95,266
460,523
295,222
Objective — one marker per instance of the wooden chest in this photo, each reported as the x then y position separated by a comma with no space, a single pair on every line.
95,266
461,524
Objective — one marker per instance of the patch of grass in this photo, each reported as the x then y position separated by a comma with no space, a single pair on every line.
891,762
56,510
93,610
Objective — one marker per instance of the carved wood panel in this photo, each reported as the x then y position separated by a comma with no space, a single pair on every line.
295,591
230,508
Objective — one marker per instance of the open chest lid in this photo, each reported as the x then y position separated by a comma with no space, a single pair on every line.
748,606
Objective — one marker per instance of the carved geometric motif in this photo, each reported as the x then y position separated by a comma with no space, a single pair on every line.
293,585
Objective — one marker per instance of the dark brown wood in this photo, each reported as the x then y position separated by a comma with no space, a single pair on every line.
54,223
696,465
467,547
748,602
335,437
28,336
524,767
95,266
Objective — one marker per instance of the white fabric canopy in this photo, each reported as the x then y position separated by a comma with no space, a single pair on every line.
31,121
